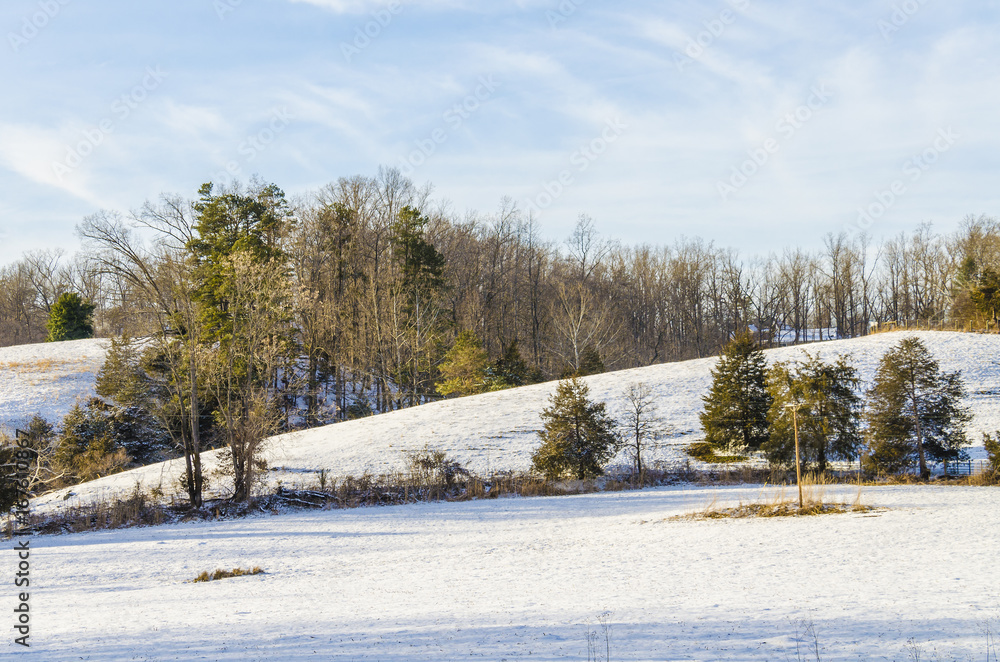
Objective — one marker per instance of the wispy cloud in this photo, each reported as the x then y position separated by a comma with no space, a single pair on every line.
34,153
365,6
560,82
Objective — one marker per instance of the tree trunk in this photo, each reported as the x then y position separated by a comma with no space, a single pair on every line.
195,486
925,473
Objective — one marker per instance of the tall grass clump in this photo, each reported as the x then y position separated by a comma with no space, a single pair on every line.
783,501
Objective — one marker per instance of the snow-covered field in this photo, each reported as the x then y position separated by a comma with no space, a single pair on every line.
498,430
46,379
526,579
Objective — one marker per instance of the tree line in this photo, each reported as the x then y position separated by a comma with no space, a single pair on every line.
354,265
242,313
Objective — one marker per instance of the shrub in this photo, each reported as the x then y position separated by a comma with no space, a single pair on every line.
435,466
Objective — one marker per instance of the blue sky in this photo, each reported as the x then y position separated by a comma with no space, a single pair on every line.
755,124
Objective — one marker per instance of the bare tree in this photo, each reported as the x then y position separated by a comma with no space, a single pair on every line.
642,425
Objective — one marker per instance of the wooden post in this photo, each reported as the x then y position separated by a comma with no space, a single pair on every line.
798,466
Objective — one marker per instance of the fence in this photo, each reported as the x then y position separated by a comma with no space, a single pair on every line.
967,468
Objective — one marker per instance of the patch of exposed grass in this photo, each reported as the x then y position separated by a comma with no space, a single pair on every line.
779,504
37,365
226,574
784,509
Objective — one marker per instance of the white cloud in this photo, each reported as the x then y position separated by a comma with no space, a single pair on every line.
37,155
192,120
365,6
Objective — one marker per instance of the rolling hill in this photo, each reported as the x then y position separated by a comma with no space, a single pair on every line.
497,431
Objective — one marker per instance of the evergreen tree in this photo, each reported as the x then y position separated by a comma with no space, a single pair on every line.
243,289
579,437
737,404
71,318
591,362
87,448
232,223
420,277
829,412
914,411
123,381
509,370
464,367
422,265
991,442
985,294
122,378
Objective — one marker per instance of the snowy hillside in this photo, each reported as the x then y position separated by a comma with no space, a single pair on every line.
526,579
497,431
46,379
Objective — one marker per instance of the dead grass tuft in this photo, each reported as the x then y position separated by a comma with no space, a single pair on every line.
783,509
226,574
783,501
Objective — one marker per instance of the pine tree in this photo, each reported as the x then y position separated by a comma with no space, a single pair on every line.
87,446
464,367
509,370
914,411
121,378
420,277
71,318
991,442
243,290
736,406
9,490
232,223
591,362
985,294
422,265
829,412
579,437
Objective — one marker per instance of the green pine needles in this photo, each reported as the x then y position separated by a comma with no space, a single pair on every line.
71,318
829,412
579,437
736,407
914,411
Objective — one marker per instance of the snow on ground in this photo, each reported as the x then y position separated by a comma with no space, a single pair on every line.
498,430
46,379
525,579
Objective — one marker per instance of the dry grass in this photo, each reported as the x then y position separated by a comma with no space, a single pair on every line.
985,479
141,508
136,508
782,501
226,574
42,365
